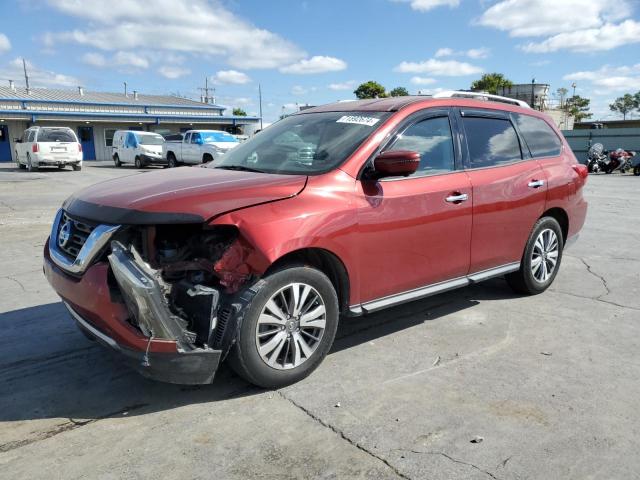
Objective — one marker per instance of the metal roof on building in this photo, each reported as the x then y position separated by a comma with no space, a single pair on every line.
74,96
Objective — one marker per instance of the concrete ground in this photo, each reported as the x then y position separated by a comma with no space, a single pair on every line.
549,382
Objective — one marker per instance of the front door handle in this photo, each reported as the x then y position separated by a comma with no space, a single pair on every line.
463,197
536,183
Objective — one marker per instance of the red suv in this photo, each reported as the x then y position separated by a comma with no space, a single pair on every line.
345,209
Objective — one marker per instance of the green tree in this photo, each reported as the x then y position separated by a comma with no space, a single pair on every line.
370,89
625,104
399,92
490,83
578,108
238,112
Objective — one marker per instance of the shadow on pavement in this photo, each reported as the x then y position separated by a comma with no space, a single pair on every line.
48,369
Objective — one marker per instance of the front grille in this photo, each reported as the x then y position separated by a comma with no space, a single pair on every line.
74,236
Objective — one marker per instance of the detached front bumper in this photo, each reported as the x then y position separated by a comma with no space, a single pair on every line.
107,320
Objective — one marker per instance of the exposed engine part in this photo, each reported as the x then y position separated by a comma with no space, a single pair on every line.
144,293
199,304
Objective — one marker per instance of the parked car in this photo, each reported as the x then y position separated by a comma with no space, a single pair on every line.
139,148
198,146
50,147
257,256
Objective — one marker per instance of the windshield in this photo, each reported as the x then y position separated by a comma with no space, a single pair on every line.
306,144
214,137
56,135
150,139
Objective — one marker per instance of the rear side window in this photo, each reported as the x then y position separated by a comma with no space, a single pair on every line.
491,141
539,136
32,136
432,139
56,135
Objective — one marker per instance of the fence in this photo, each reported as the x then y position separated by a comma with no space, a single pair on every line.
610,138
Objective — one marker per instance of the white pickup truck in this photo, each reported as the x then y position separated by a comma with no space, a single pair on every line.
198,146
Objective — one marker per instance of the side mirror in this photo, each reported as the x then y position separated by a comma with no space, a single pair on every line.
396,163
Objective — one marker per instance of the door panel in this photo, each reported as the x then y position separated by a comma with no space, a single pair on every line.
410,236
5,144
85,135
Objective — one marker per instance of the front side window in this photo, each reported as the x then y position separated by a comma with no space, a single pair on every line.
539,136
215,137
131,140
195,137
432,139
491,141
306,144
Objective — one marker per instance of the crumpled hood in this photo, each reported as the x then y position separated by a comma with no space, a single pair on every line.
179,195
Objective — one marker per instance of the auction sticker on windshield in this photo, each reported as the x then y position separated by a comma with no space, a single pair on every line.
358,120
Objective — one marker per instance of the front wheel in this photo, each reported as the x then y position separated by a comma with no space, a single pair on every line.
541,259
288,328
116,161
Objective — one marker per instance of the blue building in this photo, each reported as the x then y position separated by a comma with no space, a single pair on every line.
95,116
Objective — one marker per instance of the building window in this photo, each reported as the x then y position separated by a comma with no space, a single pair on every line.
108,136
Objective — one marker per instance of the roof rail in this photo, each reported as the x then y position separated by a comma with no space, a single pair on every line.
480,96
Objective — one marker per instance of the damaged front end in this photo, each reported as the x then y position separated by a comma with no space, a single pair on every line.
178,284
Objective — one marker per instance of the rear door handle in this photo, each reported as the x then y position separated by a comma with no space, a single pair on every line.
463,197
536,183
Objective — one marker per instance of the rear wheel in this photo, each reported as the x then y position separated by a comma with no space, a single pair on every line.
21,166
288,328
171,160
116,160
541,259
206,158
138,162
77,168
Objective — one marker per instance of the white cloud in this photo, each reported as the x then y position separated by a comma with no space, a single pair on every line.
426,5
348,85
37,77
575,25
173,71
5,44
94,59
475,53
449,68
606,37
316,64
609,79
298,90
233,77
131,59
194,26
422,80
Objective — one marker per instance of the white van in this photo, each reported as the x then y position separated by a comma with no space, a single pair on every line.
48,146
139,148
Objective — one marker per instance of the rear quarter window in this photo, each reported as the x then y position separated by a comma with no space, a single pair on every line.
491,141
539,136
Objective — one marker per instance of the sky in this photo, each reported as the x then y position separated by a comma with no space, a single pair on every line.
318,51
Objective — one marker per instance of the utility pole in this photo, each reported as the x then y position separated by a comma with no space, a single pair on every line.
205,89
26,77
260,103
533,97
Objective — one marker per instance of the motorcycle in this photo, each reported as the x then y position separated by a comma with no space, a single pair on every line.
619,159
596,158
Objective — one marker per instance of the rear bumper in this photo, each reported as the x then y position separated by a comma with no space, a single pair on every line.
88,299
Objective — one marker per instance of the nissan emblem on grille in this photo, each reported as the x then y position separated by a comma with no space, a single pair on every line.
65,234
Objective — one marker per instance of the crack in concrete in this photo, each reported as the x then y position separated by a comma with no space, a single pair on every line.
16,281
342,435
600,277
455,460
596,299
69,425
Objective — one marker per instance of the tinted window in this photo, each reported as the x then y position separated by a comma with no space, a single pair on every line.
187,139
32,135
432,139
491,141
56,135
539,137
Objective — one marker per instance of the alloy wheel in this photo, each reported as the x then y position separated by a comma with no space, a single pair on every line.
544,256
290,326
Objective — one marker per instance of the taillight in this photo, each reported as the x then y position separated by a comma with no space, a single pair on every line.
80,147
35,148
581,170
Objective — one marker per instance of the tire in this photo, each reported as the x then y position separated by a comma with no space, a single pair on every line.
116,160
636,171
280,349
206,158
171,160
30,166
138,163
528,279
77,168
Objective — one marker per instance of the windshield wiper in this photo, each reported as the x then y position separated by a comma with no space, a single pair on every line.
240,168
